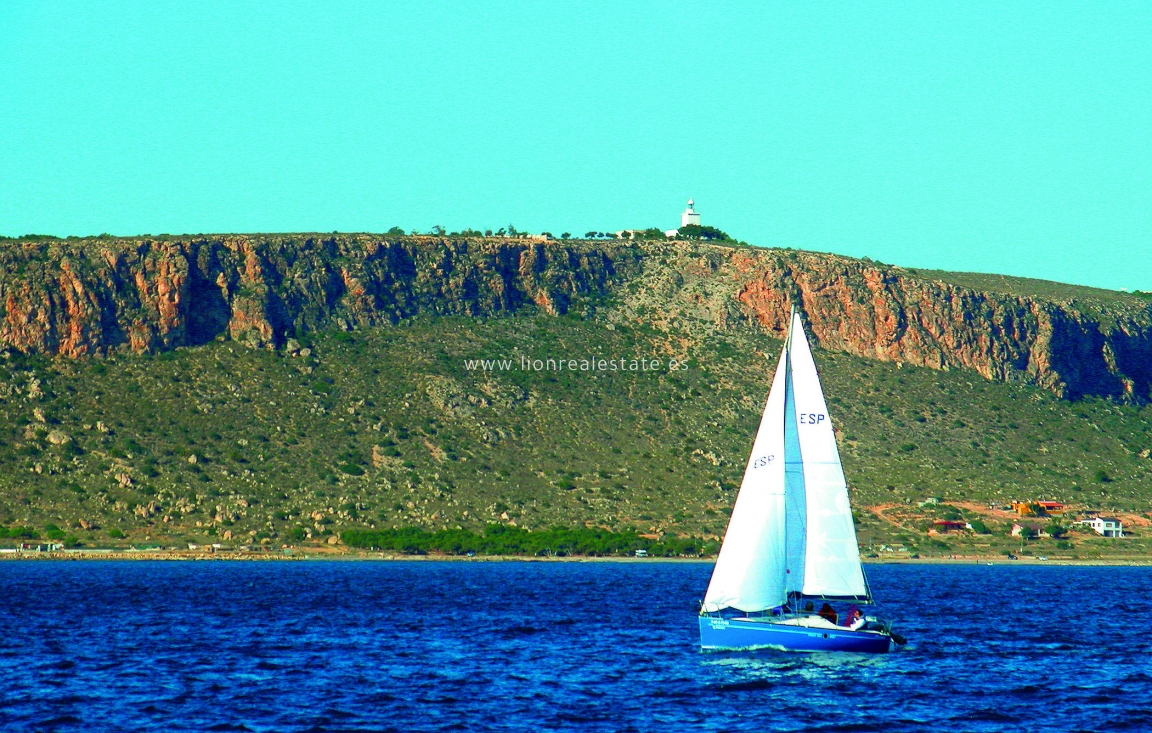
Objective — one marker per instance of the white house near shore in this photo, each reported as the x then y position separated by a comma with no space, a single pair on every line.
1105,526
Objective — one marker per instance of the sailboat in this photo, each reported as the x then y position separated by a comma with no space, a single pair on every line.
791,543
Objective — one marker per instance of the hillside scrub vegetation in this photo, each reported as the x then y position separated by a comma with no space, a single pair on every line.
388,428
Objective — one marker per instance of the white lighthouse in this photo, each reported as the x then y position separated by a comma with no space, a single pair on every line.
690,216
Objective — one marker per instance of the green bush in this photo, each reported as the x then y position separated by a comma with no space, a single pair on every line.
1056,530
947,511
979,527
698,231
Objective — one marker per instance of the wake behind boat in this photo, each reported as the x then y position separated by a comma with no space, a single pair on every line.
791,542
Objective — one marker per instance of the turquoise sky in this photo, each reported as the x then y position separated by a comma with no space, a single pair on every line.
998,137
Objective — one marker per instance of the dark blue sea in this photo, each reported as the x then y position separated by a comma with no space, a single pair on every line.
520,646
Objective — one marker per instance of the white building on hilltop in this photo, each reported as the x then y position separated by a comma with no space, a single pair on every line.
689,216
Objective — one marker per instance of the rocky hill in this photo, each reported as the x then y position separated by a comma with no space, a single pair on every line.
76,298
282,389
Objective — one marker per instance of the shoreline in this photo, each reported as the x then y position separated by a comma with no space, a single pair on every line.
305,556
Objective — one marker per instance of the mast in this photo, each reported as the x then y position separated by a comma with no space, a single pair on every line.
795,503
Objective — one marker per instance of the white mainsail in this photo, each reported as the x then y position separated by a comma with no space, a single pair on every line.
832,557
791,529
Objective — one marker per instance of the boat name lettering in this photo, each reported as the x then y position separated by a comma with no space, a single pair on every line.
812,418
762,461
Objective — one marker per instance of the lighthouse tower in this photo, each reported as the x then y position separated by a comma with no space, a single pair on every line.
689,216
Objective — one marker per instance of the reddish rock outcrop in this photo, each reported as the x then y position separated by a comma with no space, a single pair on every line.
888,314
77,298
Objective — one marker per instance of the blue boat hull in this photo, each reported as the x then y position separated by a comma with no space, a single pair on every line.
735,633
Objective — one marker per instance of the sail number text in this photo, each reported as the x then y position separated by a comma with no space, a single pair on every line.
762,461
812,418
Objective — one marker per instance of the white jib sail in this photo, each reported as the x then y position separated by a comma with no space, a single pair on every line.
750,571
832,557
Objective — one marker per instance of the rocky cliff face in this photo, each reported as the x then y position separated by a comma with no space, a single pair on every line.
77,298
889,315
1084,342
85,297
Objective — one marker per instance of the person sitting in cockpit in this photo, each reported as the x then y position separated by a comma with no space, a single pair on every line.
826,611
